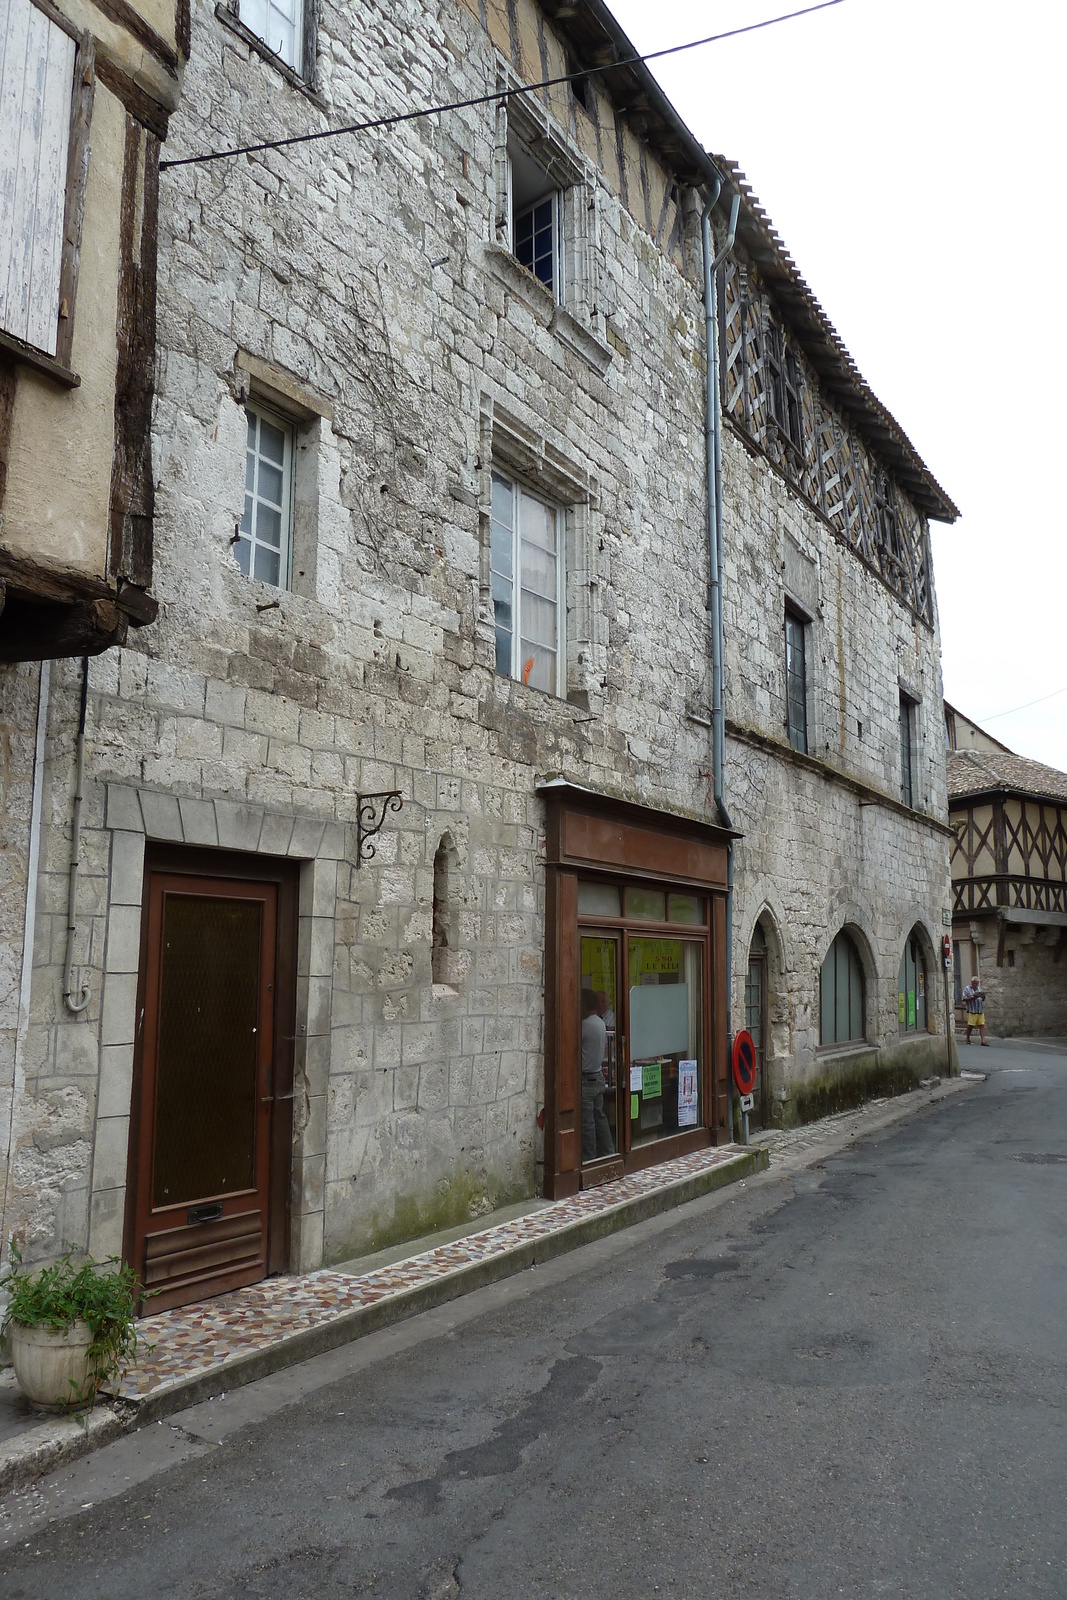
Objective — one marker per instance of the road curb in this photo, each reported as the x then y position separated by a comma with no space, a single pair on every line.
33,1457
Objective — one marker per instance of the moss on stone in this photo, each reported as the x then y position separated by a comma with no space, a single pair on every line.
462,1198
869,1075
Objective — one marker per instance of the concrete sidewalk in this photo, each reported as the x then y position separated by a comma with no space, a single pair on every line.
200,1351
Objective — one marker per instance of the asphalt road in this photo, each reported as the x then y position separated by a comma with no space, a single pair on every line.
848,1381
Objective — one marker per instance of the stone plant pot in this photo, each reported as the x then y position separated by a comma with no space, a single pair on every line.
52,1365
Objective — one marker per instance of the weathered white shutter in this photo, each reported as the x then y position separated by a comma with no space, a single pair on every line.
36,81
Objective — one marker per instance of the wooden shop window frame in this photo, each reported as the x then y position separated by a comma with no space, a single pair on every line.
598,837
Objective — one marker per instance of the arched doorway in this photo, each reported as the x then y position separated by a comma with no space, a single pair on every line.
756,1000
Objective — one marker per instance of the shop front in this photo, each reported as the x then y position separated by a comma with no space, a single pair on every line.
635,988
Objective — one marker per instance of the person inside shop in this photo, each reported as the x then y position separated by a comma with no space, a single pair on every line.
606,1013
596,1131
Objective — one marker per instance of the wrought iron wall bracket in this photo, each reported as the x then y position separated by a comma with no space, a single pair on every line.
370,814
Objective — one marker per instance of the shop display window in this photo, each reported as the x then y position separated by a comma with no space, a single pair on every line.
642,1016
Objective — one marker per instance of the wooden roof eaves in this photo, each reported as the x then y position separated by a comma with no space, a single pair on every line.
826,350
596,39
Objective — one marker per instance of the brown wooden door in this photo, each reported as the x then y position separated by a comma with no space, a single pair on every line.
202,1133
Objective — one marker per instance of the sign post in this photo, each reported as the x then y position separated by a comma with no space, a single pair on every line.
744,1071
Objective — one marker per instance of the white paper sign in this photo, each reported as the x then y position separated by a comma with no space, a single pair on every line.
635,1080
687,1094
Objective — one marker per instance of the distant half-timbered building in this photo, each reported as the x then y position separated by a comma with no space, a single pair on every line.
1009,881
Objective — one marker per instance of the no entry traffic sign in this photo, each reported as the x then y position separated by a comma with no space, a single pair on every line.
744,1062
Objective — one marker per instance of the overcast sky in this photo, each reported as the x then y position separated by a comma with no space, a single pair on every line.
910,154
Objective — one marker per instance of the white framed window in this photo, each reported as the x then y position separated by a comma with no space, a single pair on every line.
526,568
280,24
536,219
264,544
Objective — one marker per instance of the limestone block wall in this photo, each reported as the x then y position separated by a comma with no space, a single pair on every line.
251,718
827,844
1027,995
363,282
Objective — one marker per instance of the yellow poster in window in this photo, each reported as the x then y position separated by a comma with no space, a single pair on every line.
654,958
598,966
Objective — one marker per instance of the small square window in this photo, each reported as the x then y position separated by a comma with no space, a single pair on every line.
647,905
526,568
598,899
264,544
279,23
686,908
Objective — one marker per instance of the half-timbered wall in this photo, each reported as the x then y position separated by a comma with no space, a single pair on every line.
772,393
1011,851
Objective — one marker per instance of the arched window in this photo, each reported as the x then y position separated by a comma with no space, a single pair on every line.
911,987
841,994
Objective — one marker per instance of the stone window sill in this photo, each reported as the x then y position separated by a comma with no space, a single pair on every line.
29,357
853,1047
540,299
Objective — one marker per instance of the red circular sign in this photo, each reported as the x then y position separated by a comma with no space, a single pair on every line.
744,1062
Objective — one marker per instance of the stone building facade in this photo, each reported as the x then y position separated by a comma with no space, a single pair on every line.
458,361
87,90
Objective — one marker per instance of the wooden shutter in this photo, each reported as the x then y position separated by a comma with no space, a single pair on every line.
36,81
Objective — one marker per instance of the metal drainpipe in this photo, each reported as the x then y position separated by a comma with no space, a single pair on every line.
75,857
713,453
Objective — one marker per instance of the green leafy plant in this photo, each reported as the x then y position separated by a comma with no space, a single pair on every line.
101,1294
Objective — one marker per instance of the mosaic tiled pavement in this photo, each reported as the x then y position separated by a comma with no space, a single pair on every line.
180,1344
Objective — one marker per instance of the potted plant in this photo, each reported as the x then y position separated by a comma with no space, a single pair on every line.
71,1327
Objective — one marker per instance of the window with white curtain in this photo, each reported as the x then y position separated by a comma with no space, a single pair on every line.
264,542
526,563
280,24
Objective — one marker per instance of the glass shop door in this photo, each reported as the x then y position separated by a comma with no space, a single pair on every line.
599,1047
663,1092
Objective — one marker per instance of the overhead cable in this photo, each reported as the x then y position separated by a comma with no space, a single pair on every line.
993,715
487,99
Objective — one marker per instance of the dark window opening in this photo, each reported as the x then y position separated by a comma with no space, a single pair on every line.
580,85
536,227
784,374
907,739
796,682
841,1017
439,956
